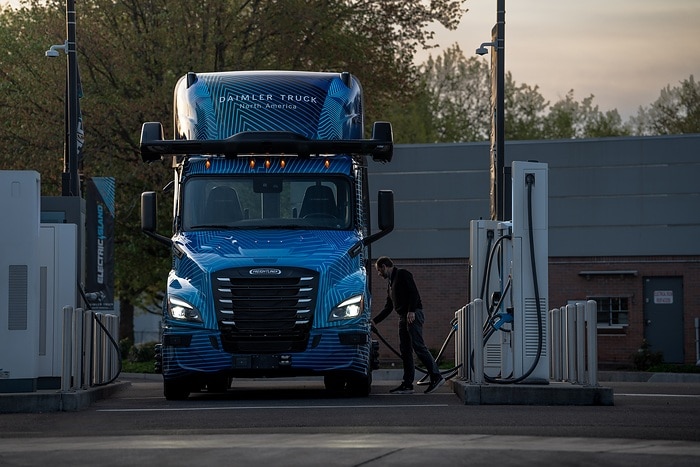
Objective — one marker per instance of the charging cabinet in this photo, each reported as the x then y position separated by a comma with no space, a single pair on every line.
530,271
58,287
20,194
485,279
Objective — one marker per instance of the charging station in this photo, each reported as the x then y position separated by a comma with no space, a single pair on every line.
486,282
19,280
508,272
530,271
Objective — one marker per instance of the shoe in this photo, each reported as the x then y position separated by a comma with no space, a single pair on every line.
403,389
434,385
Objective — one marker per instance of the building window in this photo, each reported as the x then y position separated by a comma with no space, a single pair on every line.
613,312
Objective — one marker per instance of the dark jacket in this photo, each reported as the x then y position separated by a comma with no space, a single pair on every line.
402,295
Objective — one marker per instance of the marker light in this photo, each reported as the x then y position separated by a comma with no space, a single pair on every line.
251,163
282,163
207,164
327,163
267,163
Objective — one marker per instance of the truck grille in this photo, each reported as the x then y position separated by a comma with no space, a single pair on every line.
265,310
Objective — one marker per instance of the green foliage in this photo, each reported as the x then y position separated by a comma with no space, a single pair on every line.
125,346
454,104
138,367
674,368
676,111
143,352
645,359
130,56
458,91
137,358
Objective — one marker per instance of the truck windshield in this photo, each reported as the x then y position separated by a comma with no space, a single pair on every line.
266,201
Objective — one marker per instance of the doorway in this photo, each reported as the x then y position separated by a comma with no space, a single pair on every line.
663,316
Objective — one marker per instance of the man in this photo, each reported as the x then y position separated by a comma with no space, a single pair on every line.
403,296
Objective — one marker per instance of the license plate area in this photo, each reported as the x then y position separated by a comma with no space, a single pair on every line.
261,362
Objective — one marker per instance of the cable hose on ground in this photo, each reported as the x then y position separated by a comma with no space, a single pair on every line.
447,374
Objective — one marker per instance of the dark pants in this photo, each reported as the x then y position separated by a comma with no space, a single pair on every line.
411,340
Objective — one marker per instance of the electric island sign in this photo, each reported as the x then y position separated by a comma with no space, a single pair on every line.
99,236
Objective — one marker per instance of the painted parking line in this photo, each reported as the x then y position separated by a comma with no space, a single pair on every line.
268,407
690,396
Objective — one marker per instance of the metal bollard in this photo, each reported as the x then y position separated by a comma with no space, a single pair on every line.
581,342
77,348
555,344
67,365
476,345
570,371
459,344
592,341
88,330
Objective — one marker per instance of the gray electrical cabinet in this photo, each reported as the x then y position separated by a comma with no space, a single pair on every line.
20,194
57,288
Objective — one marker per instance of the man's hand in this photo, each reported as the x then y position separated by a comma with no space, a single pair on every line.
410,317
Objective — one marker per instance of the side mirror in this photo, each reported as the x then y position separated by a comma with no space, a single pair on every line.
385,205
385,208
148,211
149,214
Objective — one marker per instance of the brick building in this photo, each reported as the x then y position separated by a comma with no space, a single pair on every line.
624,219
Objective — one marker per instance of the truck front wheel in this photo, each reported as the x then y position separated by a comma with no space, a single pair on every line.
176,390
360,386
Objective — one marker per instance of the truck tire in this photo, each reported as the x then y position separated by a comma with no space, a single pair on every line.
334,383
176,390
359,386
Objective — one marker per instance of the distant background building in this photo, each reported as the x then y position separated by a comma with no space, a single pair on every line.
624,223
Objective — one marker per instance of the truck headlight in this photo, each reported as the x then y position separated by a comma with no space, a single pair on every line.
180,309
350,308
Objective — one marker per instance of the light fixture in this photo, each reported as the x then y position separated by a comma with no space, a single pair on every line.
53,50
483,50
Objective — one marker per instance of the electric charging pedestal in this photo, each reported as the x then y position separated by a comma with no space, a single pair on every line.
506,344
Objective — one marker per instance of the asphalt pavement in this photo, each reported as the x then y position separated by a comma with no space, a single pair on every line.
655,421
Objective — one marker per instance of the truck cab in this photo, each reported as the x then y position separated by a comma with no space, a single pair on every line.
271,230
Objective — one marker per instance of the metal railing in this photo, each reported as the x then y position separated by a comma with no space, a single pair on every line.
90,354
469,349
574,343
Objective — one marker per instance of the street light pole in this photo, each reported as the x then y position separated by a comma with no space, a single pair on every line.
499,190
70,180
499,201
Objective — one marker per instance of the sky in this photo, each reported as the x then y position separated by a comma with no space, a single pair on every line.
623,52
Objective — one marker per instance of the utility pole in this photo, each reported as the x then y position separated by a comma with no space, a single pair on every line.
70,180
499,200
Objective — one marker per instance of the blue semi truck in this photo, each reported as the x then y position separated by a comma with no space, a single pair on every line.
271,236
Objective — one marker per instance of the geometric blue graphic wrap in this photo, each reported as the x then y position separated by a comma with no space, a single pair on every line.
316,106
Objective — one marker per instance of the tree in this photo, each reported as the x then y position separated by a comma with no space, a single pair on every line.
130,55
676,111
568,118
525,111
457,91
459,96
597,124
